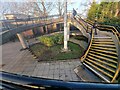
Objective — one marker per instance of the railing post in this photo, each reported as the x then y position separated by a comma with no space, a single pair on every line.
16,22
8,25
91,30
32,21
25,23
46,29
39,20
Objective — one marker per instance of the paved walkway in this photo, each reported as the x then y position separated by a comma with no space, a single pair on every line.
22,62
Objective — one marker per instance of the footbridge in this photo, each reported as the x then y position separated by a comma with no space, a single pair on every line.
12,27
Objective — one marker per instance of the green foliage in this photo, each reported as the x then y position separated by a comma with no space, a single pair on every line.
105,12
48,41
93,11
51,40
58,38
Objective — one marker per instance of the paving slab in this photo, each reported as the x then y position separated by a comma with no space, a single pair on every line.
22,62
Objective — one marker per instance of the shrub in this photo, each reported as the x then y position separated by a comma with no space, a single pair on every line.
51,40
46,41
55,38
58,38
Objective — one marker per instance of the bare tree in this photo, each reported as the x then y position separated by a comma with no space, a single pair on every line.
37,11
42,8
85,7
16,7
3,9
36,8
59,6
46,7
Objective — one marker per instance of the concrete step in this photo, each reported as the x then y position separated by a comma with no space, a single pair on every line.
108,69
105,76
102,37
109,43
104,58
99,70
102,62
104,40
104,51
104,55
103,48
102,45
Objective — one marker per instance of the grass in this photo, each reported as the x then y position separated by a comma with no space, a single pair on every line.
54,52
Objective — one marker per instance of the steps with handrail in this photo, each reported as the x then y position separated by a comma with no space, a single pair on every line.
102,57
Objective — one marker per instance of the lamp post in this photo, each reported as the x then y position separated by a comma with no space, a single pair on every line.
65,27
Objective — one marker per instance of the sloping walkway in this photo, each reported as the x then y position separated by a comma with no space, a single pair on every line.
81,43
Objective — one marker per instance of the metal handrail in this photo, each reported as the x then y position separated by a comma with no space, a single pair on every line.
88,48
17,81
114,31
31,18
90,43
27,20
87,21
81,24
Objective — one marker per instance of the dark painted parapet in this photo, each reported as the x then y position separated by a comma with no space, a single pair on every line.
22,82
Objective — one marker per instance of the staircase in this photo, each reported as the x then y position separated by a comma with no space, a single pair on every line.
102,58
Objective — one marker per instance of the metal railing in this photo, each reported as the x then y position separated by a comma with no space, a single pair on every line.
88,48
86,26
117,36
21,82
116,33
16,23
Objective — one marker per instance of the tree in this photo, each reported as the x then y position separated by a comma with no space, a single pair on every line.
92,13
106,12
59,6
45,7
35,8
17,8
3,9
